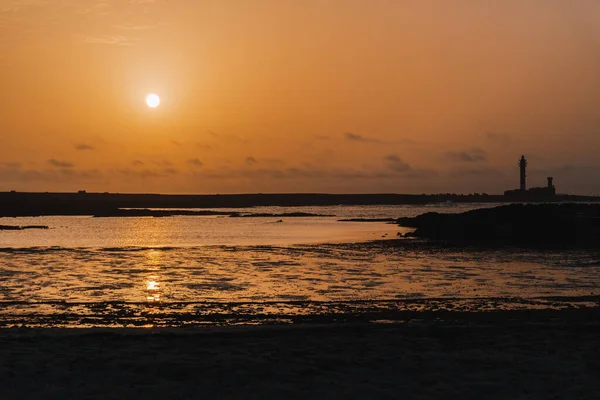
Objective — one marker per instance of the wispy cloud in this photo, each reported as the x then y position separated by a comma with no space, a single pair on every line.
396,164
83,146
20,175
61,164
116,40
195,162
251,160
12,165
359,138
310,173
147,173
355,137
472,155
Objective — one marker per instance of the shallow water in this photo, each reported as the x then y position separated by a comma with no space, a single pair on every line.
187,270
186,231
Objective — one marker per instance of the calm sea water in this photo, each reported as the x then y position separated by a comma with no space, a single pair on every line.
176,271
69,232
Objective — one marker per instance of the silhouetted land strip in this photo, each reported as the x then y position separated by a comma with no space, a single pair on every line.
516,224
159,213
291,214
169,213
367,220
534,355
21,228
33,204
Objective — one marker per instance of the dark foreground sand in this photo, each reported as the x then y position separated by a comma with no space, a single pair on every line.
537,355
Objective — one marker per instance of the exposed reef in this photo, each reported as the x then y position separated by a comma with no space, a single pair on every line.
516,224
21,228
292,214
367,220
169,213
159,213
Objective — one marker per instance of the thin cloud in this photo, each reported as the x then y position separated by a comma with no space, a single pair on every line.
137,162
359,138
84,146
116,40
195,162
61,164
310,173
147,173
354,137
396,164
473,155
14,173
251,160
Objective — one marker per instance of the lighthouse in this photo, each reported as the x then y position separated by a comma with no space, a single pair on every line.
523,167
532,194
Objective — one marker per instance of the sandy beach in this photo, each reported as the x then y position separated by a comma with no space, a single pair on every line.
498,355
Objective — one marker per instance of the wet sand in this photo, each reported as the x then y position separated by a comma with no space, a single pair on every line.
497,355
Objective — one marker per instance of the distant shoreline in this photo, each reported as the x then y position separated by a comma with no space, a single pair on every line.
16,204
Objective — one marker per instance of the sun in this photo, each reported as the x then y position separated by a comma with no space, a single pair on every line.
152,100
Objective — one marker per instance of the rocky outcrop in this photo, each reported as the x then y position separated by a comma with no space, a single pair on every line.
518,224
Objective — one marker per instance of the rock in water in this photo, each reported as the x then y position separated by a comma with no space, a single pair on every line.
517,224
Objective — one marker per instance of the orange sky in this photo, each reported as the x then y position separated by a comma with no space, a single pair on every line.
299,96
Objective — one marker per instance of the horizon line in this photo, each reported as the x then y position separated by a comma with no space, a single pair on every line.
84,192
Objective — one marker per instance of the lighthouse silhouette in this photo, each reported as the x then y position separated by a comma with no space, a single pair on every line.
523,168
534,193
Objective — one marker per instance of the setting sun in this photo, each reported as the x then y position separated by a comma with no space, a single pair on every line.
152,100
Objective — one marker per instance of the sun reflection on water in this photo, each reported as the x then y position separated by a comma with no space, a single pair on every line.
153,291
153,286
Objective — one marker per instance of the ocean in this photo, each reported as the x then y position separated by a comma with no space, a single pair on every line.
190,270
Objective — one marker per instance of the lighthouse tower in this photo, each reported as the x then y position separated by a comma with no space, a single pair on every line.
523,167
